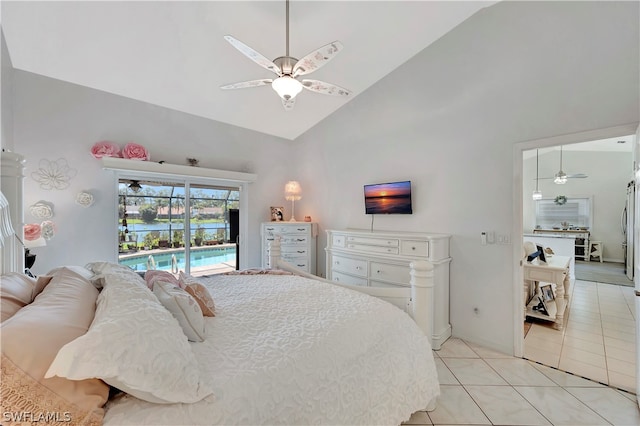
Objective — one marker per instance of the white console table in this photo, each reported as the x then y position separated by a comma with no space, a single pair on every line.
382,259
556,271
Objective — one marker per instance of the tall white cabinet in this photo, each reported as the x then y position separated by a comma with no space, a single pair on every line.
297,243
382,259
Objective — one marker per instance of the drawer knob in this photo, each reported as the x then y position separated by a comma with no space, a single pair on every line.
336,262
413,248
378,271
358,268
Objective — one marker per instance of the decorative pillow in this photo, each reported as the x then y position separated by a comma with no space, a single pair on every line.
18,290
183,307
102,269
134,344
200,293
30,341
152,276
80,270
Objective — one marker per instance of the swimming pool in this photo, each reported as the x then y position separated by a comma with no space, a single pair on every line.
199,257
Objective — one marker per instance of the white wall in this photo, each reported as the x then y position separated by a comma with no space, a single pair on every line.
54,119
608,175
6,96
448,121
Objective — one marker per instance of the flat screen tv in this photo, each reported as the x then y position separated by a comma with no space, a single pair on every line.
388,198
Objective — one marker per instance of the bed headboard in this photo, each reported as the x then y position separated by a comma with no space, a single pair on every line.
12,177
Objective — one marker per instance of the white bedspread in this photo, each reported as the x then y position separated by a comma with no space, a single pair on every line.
289,350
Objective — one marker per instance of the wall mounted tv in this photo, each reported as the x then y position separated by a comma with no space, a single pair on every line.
388,198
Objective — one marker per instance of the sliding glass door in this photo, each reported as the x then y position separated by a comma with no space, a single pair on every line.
176,226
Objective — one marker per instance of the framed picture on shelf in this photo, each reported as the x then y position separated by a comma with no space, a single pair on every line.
547,292
277,214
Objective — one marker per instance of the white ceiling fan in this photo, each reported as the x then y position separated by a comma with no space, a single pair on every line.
288,69
561,177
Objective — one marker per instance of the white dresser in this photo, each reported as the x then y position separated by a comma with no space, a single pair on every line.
297,243
382,258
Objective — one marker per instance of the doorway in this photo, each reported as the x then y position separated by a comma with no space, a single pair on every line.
599,313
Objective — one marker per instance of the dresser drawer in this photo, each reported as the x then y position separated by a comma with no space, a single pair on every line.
387,242
414,248
338,241
298,262
294,240
372,249
348,279
287,229
350,266
388,272
374,283
292,250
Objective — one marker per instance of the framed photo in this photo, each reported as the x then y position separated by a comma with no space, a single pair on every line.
547,292
277,214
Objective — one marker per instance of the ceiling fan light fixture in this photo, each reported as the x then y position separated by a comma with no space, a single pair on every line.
135,186
560,178
286,87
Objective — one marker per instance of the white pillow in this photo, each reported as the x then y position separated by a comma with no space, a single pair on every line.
183,307
133,344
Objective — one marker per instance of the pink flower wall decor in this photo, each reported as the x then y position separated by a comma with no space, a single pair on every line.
32,231
105,149
133,151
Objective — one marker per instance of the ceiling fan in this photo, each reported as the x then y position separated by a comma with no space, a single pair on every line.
561,177
288,69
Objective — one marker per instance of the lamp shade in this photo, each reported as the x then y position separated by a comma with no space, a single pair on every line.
287,87
292,191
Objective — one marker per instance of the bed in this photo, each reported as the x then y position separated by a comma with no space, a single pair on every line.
281,349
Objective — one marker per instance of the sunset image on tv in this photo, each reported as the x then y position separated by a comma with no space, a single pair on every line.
388,198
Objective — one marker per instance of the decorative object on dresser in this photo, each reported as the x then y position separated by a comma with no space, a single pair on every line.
276,214
292,191
297,242
383,259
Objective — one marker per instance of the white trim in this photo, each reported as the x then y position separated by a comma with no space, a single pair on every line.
518,148
133,169
150,168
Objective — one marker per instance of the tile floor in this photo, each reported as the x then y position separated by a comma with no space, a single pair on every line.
598,340
483,387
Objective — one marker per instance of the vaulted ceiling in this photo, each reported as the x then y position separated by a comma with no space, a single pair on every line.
173,54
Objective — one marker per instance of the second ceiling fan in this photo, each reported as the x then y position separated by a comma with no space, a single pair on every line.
288,69
561,177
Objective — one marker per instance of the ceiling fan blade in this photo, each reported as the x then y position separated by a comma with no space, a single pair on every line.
245,84
288,103
253,55
316,59
573,176
324,88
